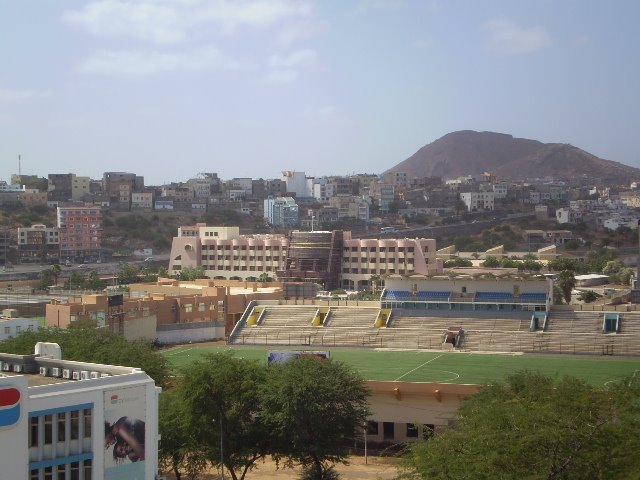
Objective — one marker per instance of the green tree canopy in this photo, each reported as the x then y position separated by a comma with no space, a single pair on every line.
566,281
535,427
491,262
94,346
221,392
178,449
458,262
314,408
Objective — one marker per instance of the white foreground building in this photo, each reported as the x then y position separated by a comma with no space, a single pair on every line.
67,420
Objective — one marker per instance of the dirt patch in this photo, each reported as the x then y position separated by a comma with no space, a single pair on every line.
375,468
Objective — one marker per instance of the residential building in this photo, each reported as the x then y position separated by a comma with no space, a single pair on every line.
344,185
350,206
80,230
54,414
5,237
80,187
296,183
500,190
31,198
60,187
38,243
204,185
566,215
12,325
142,201
400,180
478,201
118,187
322,189
281,211
617,221
630,199
383,194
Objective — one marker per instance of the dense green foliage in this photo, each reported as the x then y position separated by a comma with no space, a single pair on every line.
566,281
458,262
94,346
178,450
222,392
304,411
314,408
535,427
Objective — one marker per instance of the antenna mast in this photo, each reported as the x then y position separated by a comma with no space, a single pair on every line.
19,168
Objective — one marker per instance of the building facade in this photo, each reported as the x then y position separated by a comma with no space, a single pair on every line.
38,243
55,414
478,201
281,211
334,258
80,232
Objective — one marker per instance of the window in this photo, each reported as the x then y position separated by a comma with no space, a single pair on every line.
372,428
75,471
86,416
188,307
75,424
201,307
412,430
33,432
7,330
388,430
48,429
62,422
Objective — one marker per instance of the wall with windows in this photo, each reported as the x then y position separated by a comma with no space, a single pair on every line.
54,428
406,411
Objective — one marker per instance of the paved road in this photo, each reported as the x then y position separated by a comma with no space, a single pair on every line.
28,271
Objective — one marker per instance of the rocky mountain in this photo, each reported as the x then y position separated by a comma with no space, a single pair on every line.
468,152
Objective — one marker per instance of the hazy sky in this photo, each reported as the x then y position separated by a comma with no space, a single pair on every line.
170,88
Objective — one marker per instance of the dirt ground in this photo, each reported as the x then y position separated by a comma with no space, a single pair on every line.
376,468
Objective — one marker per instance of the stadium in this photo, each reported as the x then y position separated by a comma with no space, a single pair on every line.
429,343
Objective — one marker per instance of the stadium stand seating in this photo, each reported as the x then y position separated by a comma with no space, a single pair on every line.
533,297
504,330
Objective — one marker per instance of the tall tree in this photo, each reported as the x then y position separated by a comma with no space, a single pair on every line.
177,451
222,402
566,281
533,426
314,408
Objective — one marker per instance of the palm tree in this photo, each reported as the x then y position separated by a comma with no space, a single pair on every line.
566,281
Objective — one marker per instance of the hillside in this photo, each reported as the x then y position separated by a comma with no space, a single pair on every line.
468,152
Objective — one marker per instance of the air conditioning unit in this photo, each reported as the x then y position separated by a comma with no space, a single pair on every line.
84,375
66,373
6,366
17,368
75,375
95,374
56,371
44,371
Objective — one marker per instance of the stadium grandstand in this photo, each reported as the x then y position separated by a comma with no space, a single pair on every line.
494,315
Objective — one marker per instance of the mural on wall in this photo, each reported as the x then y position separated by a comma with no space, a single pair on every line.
124,433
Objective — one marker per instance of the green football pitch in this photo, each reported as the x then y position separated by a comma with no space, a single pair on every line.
441,367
